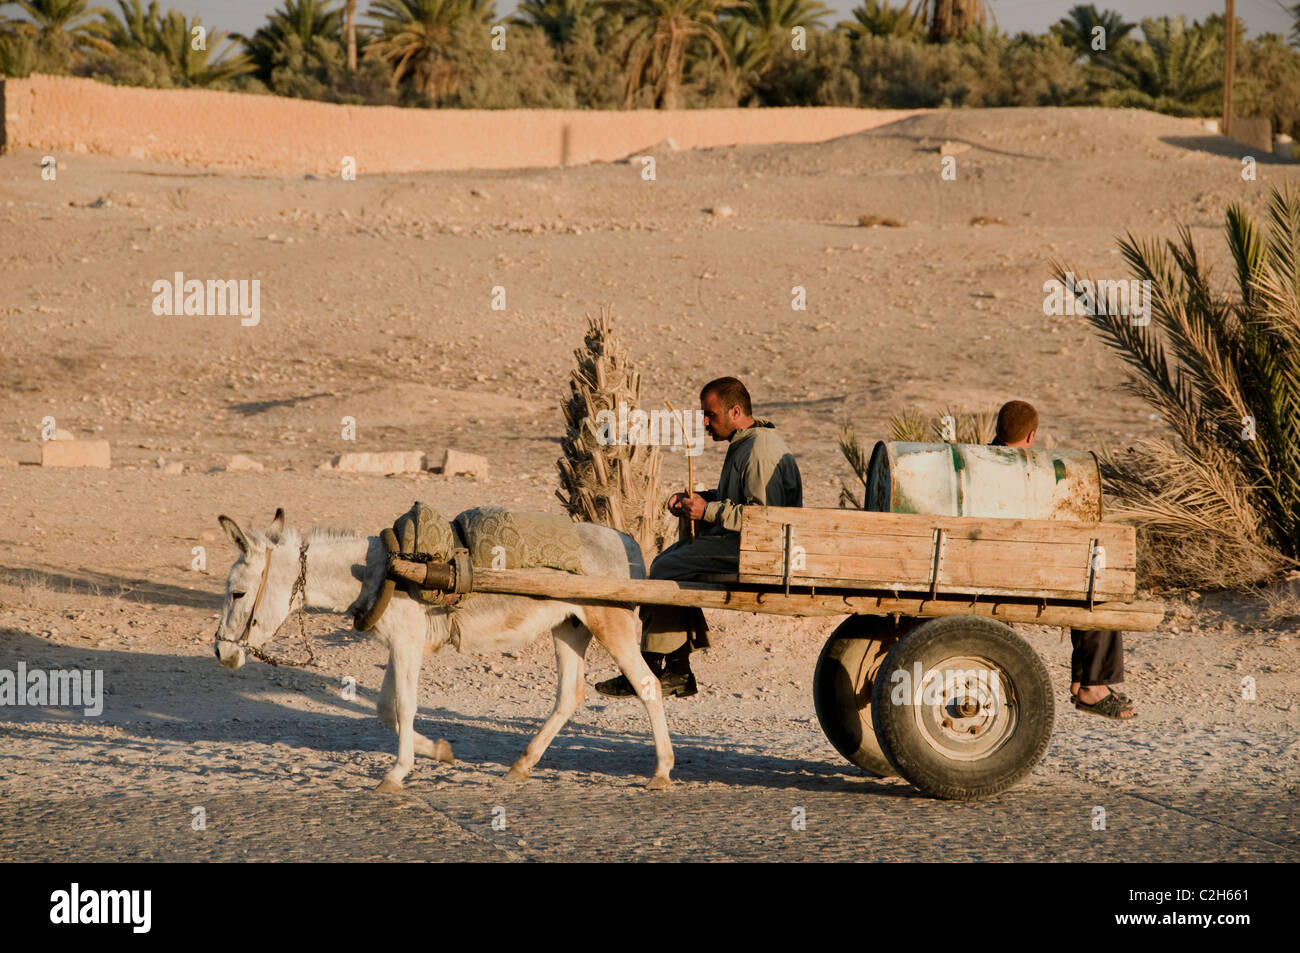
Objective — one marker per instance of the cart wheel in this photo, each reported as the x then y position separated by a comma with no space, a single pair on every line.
842,685
981,716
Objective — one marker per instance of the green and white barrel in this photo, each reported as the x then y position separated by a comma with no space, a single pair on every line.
963,479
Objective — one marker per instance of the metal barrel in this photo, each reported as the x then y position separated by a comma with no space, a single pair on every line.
965,479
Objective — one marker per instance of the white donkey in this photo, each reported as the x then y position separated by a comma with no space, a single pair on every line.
282,570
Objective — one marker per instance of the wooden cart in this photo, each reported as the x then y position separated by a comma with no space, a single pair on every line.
925,677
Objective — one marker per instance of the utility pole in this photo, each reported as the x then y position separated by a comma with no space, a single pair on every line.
1230,27
350,28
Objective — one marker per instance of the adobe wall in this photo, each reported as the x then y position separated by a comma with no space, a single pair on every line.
241,131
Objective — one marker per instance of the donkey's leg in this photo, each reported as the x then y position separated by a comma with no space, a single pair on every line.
617,630
404,664
387,708
570,648
386,705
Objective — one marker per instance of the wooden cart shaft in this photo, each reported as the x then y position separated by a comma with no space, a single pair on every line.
1127,616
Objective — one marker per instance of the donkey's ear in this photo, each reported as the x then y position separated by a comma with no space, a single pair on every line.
277,525
235,533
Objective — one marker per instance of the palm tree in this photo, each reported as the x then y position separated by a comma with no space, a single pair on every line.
18,52
557,18
773,18
747,55
1076,30
746,51
755,34
312,22
659,32
133,27
63,19
350,28
198,67
5,23
1177,62
878,18
1224,373
949,19
171,37
414,38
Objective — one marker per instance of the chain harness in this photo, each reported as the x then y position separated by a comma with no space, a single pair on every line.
299,592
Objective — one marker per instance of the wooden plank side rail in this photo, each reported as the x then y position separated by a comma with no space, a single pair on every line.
1053,559
1130,616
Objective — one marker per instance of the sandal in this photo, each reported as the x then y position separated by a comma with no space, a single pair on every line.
1074,699
1112,706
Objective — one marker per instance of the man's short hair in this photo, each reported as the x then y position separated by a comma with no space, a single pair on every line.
731,393
1016,421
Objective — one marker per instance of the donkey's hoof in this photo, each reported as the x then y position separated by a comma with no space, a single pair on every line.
660,782
389,786
517,774
438,750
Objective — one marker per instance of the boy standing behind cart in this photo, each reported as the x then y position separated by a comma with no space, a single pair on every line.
1098,658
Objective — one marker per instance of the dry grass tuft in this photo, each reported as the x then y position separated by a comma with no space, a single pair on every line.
878,221
1281,602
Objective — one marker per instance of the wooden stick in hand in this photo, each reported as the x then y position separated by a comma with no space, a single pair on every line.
685,525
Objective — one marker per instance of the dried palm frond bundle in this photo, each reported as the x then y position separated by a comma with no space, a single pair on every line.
1200,528
606,476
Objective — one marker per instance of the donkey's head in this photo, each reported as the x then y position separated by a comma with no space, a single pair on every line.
259,590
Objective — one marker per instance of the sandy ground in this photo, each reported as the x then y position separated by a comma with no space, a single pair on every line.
375,305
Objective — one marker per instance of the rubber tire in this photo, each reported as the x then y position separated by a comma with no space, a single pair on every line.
842,684
1026,684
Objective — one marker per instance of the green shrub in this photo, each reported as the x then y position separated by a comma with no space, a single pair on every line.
525,74
822,75
1268,83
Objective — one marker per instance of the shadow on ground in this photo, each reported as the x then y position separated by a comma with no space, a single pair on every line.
1223,146
186,706
93,583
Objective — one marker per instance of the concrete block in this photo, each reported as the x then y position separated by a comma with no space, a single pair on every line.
76,453
1254,132
458,463
241,462
386,461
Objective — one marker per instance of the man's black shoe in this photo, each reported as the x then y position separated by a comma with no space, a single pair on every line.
673,683
618,687
676,683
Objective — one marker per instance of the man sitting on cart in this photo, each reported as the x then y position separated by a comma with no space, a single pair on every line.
1098,658
759,469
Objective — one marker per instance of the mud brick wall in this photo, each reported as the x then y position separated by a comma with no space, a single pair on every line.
243,131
